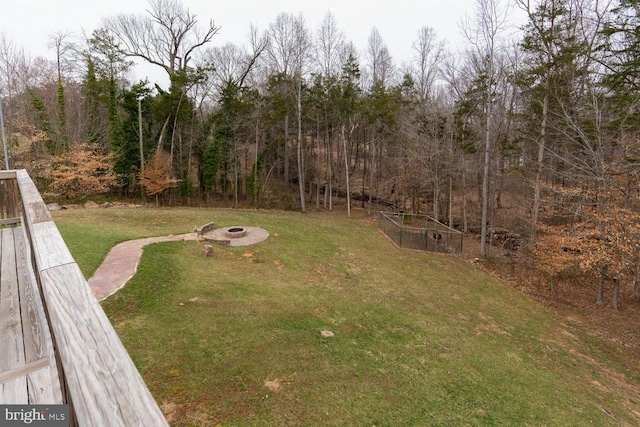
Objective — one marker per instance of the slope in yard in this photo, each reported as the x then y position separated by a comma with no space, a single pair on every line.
420,339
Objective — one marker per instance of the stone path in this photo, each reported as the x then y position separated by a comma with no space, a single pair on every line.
121,264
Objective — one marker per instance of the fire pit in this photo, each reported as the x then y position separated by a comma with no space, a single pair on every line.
235,232
234,235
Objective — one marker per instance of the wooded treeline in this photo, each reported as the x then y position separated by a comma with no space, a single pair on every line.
536,134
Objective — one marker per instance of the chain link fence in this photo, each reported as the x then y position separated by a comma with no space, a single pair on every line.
420,232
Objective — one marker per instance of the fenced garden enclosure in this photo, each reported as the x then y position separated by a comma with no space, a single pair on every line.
420,232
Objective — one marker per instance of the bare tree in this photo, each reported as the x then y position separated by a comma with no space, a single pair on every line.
425,68
302,44
258,45
231,66
15,76
379,59
9,54
60,41
282,52
483,34
288,56
428,55
232,63
329,50
329,46
229,62
168,36
380,65
281,58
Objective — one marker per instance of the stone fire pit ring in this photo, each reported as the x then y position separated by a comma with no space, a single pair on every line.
235,232
236,235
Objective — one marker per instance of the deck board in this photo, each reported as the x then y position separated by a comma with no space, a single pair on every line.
12,350
43,385
27,363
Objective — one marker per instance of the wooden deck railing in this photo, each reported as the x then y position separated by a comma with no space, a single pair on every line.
65,346
9,210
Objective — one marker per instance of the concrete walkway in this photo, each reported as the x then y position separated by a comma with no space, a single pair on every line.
121,264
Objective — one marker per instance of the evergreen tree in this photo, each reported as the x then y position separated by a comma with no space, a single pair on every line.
620,55
92,103
553,50
62,144
124,133
41,119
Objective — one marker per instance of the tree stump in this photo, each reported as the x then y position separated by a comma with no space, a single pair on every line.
207,251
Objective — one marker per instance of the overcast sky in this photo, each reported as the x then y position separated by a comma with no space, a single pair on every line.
29,23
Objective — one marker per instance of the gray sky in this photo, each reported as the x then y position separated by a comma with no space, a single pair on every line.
29,23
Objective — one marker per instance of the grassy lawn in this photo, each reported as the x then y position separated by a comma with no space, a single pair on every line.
420,339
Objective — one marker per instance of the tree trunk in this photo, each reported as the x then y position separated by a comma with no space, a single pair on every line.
616,290
487,158
413,200
328,190
235,173
318,165
286,148
465,223
3,136
485,190
303,206
190,159
603,275
140,137
378,169
365,166
541,148
162,134
450,208
346,171
328,186
371,168
255,169
436,191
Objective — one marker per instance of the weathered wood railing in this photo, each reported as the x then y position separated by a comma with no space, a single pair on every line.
9,212
66,350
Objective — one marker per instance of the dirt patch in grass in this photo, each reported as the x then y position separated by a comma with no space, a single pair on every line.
273,385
